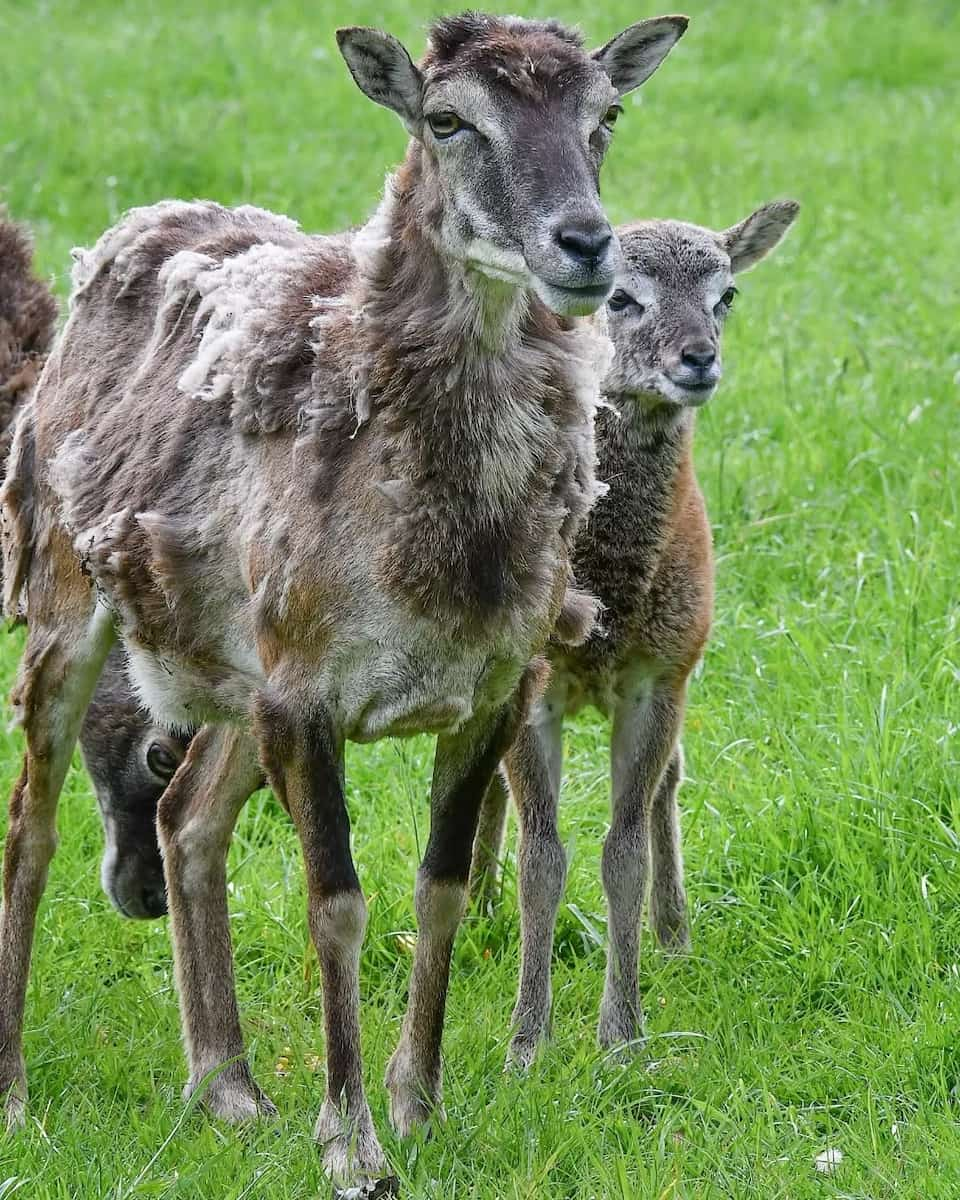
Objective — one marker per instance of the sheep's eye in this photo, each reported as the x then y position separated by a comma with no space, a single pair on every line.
611,116
162,761
728,296
444,124
621,300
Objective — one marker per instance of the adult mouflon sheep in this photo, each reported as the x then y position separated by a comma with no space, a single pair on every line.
324,488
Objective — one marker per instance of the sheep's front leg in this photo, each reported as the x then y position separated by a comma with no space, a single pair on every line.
195,820
646,724
463,767
304,758
534,765
57,677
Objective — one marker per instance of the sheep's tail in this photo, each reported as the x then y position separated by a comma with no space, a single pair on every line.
28,315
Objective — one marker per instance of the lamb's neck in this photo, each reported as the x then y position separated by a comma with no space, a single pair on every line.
644,466
641,449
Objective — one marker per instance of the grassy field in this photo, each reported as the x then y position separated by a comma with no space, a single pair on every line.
821,1006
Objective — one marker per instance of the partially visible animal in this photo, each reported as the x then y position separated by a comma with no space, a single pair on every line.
646,553
130,759
326,489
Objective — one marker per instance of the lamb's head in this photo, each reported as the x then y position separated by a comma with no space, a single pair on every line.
511,120
130,761
667,314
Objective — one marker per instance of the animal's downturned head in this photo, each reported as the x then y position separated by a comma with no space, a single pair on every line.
512,119
667,313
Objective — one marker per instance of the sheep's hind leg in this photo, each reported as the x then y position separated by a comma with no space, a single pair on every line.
463,767
668,898
488,844
59,671
304,759
645,730
195,819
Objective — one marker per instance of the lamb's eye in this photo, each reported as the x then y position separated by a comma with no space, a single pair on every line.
611,116
444,124
728,297
621,300
162,761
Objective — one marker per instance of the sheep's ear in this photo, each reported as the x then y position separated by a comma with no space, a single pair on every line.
633,56
755,236
384,71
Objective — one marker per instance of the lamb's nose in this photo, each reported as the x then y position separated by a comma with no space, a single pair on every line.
585,241
698,354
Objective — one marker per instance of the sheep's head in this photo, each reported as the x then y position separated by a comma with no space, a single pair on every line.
673,295
513,118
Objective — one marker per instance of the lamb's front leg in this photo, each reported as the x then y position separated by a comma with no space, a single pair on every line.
534,764
463,767
646,724
304,760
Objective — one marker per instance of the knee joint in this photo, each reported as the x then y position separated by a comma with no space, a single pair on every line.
339,920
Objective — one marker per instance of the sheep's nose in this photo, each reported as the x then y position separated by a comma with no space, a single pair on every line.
698,354
585,241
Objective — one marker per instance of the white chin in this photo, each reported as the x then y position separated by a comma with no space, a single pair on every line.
571,302
683,397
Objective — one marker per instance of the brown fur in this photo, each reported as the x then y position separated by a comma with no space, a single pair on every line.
28,316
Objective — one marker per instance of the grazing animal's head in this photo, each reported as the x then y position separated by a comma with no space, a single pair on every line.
672,298
512,119
130,761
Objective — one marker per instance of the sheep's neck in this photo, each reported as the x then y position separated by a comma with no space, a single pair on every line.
463,386
647,468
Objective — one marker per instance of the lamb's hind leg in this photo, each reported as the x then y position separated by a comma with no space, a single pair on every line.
304,760
59,671
668,898
195,819
488,844
463,767
646,724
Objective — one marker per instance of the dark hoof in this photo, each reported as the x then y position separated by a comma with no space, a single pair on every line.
374,1190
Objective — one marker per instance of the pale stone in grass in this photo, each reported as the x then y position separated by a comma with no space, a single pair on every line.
828,1160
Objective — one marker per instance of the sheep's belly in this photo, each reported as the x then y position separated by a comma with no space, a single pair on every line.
394,690
415,681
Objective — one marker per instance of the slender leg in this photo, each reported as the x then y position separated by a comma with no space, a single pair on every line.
488,844
646,725
304,759
57,677
195,819
668,898
534,764
463,767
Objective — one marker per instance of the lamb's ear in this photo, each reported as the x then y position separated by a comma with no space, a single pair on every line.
755,236
384,71
633,56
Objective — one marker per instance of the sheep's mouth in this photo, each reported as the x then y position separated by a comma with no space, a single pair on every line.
568,301
695,389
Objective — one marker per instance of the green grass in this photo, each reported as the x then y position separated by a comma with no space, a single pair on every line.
822,815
